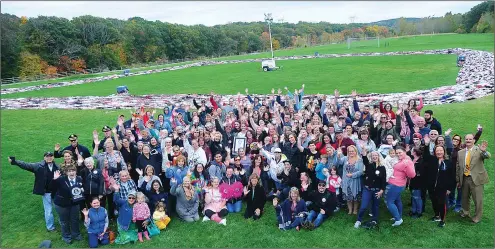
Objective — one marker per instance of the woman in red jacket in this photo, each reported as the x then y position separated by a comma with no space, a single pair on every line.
387,109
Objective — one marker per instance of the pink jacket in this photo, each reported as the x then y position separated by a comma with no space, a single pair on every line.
402,170
140,211
214,200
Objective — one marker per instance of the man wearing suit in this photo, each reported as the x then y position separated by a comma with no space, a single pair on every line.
471,175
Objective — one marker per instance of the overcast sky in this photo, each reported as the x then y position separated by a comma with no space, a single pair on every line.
212,13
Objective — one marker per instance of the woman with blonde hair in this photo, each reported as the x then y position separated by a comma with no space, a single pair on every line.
374,185
291,212
148,178
255,197
353,167
215,204
187,199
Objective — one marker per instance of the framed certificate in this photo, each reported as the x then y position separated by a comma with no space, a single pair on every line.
239,143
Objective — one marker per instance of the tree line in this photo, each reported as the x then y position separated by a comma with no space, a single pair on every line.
50,45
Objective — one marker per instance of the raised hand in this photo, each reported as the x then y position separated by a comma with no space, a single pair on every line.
85,212
448,132
279,91
114,131
479,127
426,139
416,129
173,180
353,93
483,146
57,147
56,175
273,90
95,135
139,171
246,191
246,91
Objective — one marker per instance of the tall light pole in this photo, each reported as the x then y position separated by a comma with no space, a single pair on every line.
269,20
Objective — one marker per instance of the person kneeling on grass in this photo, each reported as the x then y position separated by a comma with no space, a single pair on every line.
215,204
290,213
127,230
160,216
255,197
96,222
322,206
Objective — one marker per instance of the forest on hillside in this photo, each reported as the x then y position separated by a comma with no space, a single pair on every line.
49,45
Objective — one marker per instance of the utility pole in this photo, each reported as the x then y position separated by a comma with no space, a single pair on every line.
269,20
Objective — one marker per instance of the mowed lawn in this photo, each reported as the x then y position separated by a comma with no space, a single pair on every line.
27,134
408,43
377,74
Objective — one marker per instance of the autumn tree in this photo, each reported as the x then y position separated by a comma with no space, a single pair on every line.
30,65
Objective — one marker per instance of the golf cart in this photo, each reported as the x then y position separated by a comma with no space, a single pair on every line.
268,65
122,90
460,60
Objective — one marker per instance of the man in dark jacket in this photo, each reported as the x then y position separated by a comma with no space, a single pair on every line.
322,206
43,175
432,122
74,147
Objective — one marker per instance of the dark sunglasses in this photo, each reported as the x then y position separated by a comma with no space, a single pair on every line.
321,185
73,140
383,117
132,198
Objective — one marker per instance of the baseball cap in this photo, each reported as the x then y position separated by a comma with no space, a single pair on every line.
72,136
106,128
277,150
338,130
48,153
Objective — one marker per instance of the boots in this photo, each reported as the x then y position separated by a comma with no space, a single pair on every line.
216,218
349,207
140,237
356,207
146,235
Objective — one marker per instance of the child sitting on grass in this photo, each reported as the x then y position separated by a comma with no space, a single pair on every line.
160,216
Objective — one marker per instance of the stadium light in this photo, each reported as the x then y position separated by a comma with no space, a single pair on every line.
269,20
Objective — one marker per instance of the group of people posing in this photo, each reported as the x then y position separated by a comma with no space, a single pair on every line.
309,157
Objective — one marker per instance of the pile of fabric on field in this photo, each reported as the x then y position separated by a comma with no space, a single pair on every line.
475,80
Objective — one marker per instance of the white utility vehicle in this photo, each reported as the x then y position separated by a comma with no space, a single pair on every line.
268,65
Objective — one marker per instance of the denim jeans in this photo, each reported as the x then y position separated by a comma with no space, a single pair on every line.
393,201
319,217
234,207
47,206
369,196
453,200
94,240
69,221
297,222
417,202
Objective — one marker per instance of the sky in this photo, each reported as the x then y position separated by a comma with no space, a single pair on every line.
222,12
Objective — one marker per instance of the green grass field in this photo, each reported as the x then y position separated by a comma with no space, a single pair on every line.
22,212
374,74
85,76
410,43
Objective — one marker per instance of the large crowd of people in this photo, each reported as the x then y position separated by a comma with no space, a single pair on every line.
309,159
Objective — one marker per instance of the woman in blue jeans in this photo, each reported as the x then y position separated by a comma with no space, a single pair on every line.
375,181
290,213
397,183
96,222
234,205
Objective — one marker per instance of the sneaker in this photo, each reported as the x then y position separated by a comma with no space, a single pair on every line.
397,223
223,222
357,224
370,214
206,218
435,219
51,230
67,241
78,238
457,210
441,224
370,225
311,226
336,209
